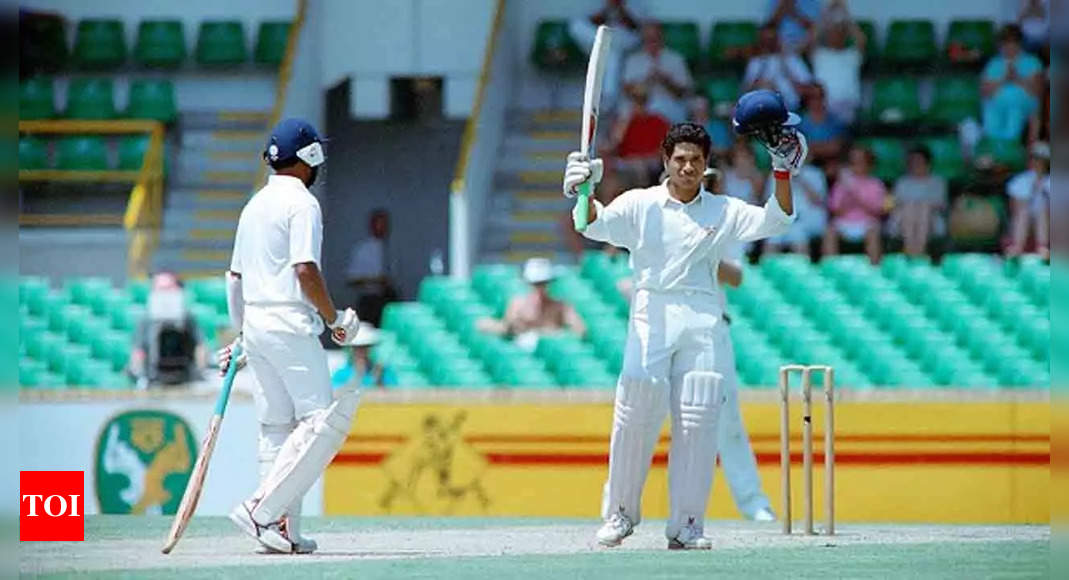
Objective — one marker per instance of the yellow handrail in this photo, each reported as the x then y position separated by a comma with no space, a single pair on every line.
144,209
476,107
284,72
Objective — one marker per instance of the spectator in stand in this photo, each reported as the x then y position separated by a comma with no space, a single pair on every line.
359,370
717,127
1034,20
920,200
531,315
810,189
837,65
369,272
1011,84
168,345
857,204
742,178
1029,194
825,133
633,150
793,20
664,73
624,21
777,69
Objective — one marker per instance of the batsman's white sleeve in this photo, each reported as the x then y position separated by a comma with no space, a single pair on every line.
235,302
753,222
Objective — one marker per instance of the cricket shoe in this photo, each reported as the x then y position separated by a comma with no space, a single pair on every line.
690,537
614,530
301,544
271,536
763,515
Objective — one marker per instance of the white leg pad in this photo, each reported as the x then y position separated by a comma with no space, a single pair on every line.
304,456
272,437
692,455
641,405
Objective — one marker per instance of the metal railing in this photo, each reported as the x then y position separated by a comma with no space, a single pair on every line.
144,208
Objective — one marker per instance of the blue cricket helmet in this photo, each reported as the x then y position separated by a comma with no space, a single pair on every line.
759,111
294,139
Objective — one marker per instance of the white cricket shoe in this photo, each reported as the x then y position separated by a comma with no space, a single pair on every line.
764,515
614,530
301,545
690,537
270,536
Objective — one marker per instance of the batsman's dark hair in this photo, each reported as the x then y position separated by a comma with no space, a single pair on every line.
686,133
282,163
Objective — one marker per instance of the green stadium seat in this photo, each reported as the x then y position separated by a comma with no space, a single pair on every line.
895,100
970,35
132,149
872,41
947,161
722,92
90,98
730,42
127,319
910,43
138,290
152,99
88,372
84,291
955,99
210,292
271,42
554,49
31,372
890,157
221,43
83,153
33,153
49,44
37,99
682,37
99,44
160,44
1010,153
85,329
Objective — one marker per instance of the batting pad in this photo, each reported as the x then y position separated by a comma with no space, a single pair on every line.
692,456
304,456
641,405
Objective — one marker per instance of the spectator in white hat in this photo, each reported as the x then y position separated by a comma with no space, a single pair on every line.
531,315
359,370
1029,193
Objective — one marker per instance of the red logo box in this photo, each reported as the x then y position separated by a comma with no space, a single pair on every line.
51,506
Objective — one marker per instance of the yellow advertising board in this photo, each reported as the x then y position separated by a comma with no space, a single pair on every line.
896,461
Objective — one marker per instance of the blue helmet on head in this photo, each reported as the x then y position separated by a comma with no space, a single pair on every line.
763,114
294,139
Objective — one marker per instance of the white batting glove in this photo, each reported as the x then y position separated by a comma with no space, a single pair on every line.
344,326
225,356
790,154
579,170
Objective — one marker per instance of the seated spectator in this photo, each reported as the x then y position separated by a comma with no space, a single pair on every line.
368,271
742,178
810,192
1011,84
537,313
836,65
793,20
634,145
624,21
1034,21
857,203
168,346
359,370
824,133
717,127
777,69
664,73
1029,194
920,199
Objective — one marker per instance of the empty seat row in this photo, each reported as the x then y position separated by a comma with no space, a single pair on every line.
82,153
100,44
94,98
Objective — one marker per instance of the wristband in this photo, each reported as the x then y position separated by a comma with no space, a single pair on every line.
781,174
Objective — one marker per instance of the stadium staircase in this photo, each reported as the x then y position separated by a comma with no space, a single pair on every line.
527,207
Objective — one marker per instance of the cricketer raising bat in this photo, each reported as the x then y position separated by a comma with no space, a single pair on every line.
200,469
595,70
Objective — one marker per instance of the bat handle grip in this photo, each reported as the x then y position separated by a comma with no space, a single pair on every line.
582,206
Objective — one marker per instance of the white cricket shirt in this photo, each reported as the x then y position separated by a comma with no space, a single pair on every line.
676,246
280,227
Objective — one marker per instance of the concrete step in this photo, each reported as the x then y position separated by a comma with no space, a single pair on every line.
235,140
547,120
520,256
541,141
206,178
529,179
192,199
232,120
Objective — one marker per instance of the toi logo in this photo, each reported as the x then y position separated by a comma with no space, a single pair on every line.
51,506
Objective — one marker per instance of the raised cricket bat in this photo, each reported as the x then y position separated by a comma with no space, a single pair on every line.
200,468
595,71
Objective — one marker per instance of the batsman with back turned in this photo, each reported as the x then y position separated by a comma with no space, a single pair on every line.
675,357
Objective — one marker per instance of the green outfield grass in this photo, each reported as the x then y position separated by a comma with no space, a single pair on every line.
445,549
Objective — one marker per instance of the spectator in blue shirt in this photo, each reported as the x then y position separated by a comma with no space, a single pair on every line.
359,370
825,134
1011,84
794,20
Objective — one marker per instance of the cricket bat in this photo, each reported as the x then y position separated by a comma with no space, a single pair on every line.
595,71
200,469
